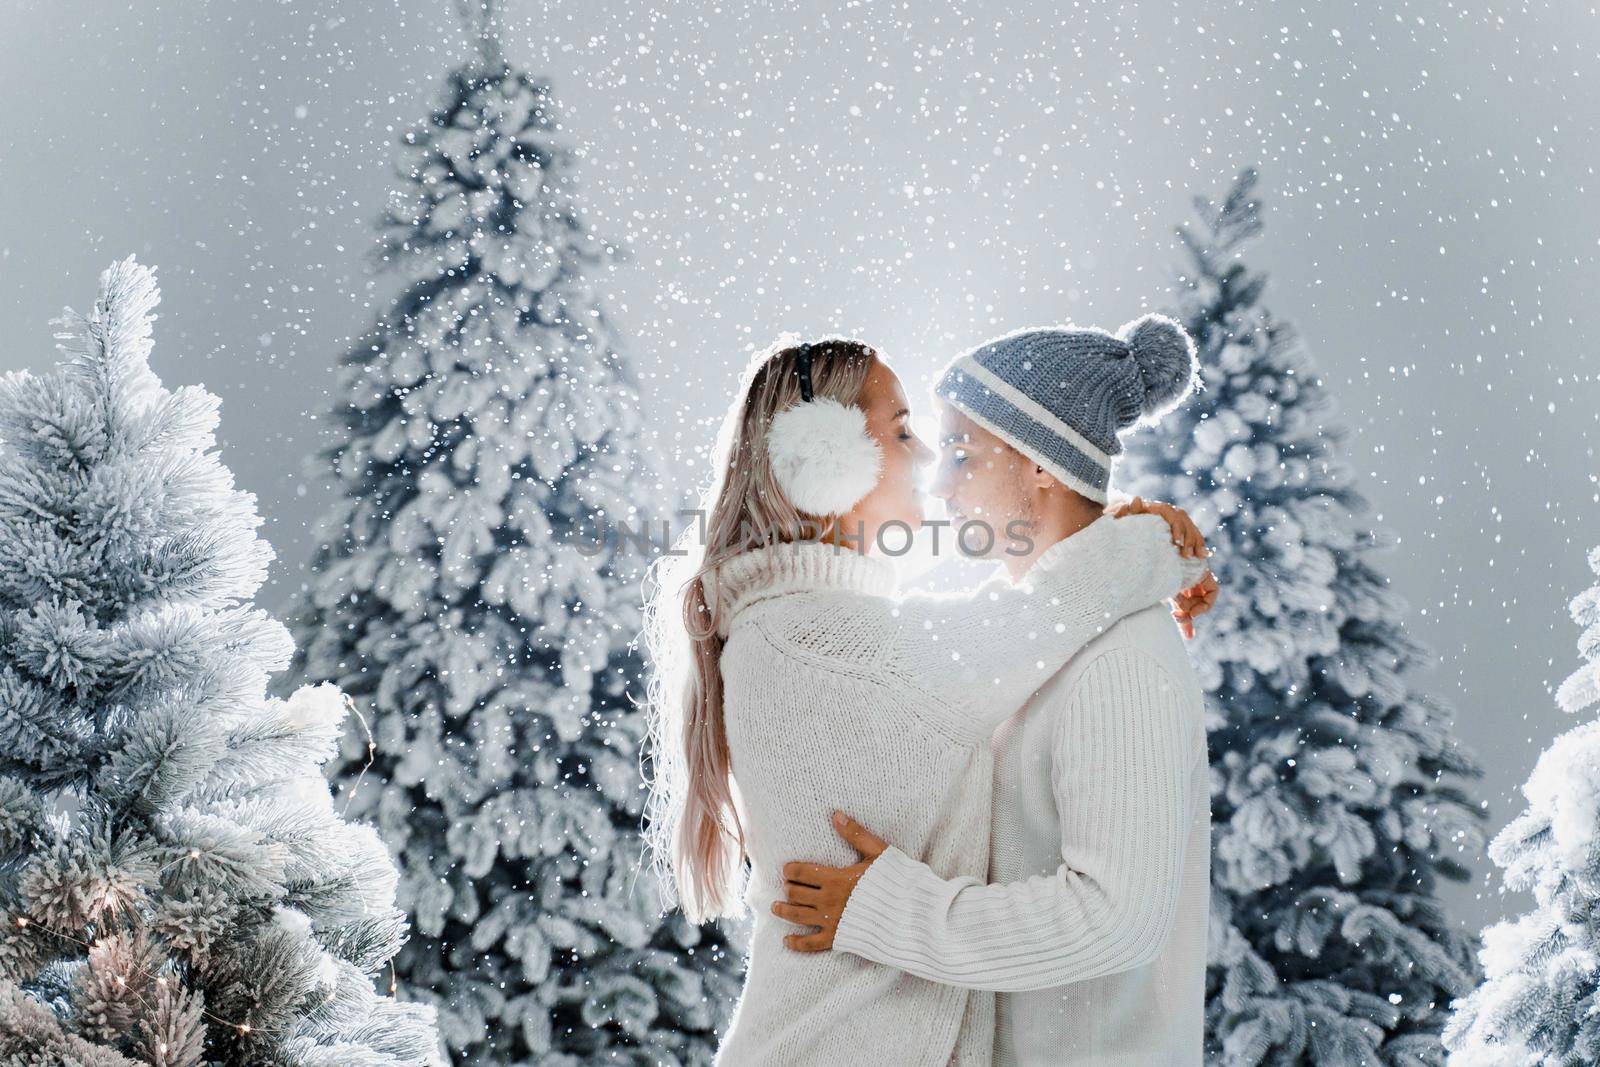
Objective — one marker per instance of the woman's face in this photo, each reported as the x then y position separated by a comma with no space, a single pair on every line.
895,498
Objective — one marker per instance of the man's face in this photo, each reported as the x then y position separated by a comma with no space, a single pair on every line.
981,478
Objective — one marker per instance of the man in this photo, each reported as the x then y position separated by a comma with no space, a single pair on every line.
1092,931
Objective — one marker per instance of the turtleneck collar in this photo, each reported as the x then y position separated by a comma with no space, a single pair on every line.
802,567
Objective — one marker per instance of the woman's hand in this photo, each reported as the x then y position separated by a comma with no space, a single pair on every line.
1195,600
816,895
1198,598
1185,534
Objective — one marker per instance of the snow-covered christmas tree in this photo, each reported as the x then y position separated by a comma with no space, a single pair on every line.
176,887
1540,1000
489,429
1337,793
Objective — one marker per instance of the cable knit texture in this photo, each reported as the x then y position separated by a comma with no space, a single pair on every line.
1094,930
837,695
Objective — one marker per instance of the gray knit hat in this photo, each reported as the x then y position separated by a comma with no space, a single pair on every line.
1060,396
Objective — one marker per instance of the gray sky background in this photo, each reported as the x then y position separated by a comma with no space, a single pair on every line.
922,175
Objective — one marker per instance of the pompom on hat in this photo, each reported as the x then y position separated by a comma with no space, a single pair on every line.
1062,395
1165,356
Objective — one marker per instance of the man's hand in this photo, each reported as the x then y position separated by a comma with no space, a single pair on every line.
1195,600
816,895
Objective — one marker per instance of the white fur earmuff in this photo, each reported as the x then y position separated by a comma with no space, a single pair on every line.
823,457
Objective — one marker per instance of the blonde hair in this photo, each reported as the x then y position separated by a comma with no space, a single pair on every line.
692,828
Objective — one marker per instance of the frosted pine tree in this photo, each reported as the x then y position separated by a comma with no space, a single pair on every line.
176,887
1540,1001
1336,787
489,428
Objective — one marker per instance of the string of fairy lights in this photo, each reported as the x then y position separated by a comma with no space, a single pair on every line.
245,1028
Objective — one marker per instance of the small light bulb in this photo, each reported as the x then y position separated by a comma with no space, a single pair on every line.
244,1029
21,921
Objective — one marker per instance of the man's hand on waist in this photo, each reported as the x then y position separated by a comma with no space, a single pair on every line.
816,895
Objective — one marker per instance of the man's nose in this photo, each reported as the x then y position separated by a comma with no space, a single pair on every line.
942,485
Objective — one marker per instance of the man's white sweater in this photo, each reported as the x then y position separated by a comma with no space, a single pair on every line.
838,696
1093,930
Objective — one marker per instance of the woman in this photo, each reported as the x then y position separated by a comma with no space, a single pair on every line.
790,680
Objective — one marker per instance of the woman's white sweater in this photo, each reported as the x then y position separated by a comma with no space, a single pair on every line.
839,696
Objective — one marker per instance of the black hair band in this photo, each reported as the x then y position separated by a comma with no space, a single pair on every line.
802,367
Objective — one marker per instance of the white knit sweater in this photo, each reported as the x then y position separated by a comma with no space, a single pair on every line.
1094,929
838,696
